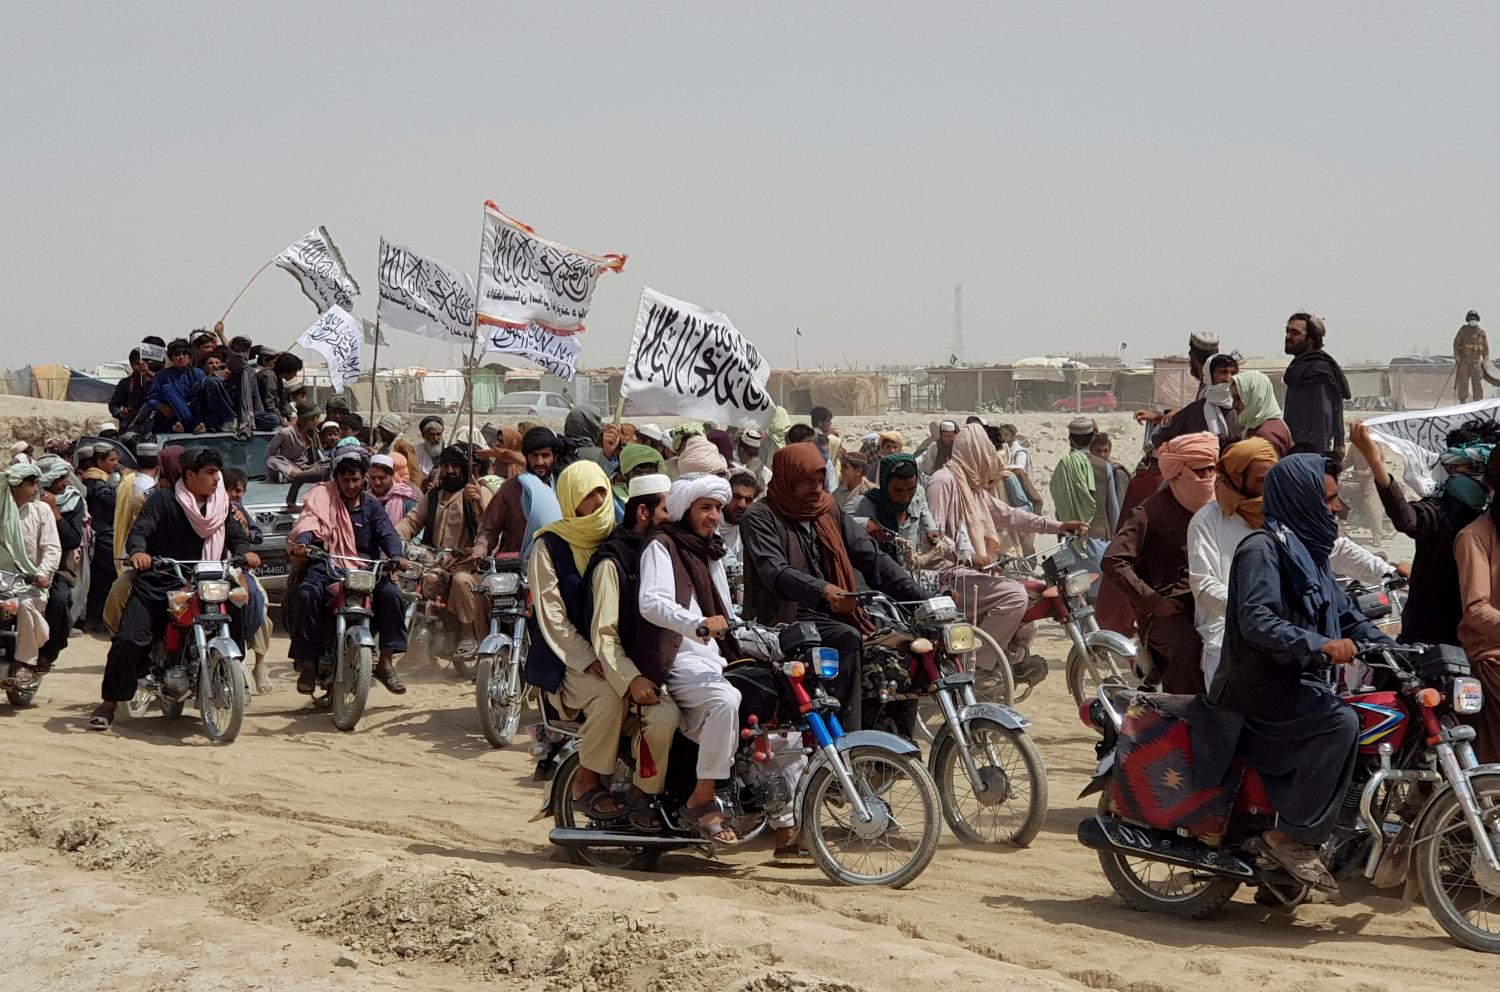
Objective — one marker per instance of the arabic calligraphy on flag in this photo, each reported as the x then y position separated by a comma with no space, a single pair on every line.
525,279
693,362
318,266
336,336
421,295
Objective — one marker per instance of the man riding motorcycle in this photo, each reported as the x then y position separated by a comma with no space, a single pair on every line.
448,517
29,547
344,520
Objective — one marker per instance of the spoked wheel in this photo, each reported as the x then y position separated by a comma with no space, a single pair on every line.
1009,805
995,684
901,836
221,697
1101,666
1154,887
616,858
351,686
1458,886
499,699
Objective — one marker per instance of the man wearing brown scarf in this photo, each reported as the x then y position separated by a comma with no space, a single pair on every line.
802,558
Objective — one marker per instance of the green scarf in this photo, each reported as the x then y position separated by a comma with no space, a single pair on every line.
1259,397
1073,487
887,511
12,539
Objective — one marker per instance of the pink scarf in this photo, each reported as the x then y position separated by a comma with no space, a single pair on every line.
325,516
208,525
393,501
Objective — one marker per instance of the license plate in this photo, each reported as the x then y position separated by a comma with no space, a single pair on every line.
271,568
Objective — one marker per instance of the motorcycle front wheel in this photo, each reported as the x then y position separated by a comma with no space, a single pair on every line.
1460,890
1086,673
221,697
896,844
563,817
1011,802
498,699
1156,887
351,686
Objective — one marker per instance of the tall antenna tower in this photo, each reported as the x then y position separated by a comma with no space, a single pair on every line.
957,356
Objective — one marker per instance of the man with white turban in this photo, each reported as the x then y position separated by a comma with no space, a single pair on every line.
684,589
29,547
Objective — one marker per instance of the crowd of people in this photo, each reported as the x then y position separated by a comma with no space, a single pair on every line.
1220,551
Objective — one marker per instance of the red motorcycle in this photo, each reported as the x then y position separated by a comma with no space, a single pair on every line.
1419,802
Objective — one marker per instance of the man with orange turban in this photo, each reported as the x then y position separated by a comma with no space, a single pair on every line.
1147,560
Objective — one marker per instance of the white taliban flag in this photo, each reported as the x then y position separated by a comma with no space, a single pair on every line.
337,336
1418,437
691,362
525,280
318,266
554,353
421,295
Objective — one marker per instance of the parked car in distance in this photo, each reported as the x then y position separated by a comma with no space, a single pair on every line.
1095,400
534,404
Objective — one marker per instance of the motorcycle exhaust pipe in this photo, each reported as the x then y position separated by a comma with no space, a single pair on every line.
576,837
1159,845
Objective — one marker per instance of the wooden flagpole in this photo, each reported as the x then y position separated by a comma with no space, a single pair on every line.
245,287
374,372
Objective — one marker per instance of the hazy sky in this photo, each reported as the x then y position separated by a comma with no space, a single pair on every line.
1091,173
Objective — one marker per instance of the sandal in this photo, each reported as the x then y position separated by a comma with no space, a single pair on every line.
795,850
591,805
387,677
643,818
708,820
101,718
1301,862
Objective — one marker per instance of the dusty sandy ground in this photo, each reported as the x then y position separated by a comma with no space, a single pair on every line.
146,858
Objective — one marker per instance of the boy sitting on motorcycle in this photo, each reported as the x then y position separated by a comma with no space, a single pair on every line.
344,520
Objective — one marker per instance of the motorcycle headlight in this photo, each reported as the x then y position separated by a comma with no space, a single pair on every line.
1467,696
826,662
360,581
1077,583
213,590
958,638
501,584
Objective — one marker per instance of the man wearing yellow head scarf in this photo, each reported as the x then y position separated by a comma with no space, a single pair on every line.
562,652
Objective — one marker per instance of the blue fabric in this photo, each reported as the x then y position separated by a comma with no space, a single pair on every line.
176,388
1297,517
256,536
213,404
255,609
539,502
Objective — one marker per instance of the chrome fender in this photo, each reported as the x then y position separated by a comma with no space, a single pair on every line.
360,635
859,738
998,712
227,646
494,644
1111,641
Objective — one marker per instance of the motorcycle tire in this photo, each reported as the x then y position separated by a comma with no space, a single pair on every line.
1022,779
20,698
499,717
221,698
1081,682
563,817
1139,895
351,687
1448,859
825,813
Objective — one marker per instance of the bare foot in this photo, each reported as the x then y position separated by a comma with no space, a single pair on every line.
262,680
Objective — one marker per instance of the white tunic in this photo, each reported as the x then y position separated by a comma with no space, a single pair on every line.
658,601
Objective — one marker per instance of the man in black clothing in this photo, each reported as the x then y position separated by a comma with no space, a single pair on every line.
1315,387
802,554
130,392
164,529
1434,605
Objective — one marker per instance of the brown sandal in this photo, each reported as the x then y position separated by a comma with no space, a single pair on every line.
591,805
101,718
703,817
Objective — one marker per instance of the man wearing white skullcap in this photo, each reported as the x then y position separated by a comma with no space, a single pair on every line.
606,690
683,589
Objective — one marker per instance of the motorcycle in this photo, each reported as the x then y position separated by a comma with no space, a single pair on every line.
867,808
344,671
429,620
1057,586
990,777
1382,604
1419,805
499,693
196,655
14,590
